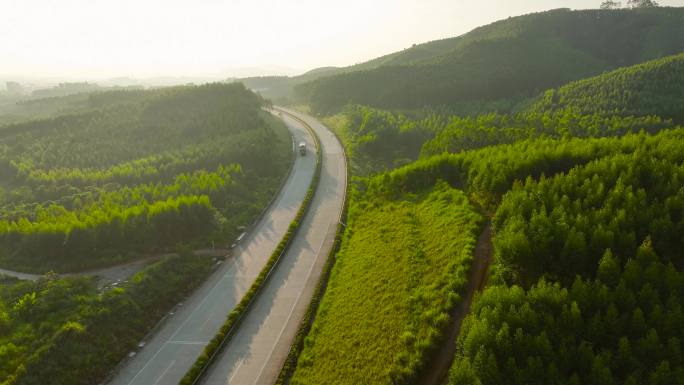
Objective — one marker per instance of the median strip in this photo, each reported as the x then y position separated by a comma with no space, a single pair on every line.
235,317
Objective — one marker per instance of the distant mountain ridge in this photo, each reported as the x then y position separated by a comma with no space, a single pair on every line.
513,58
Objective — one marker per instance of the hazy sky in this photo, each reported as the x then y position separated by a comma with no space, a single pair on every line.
142,38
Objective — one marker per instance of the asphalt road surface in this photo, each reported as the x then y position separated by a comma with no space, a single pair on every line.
173,348
257,351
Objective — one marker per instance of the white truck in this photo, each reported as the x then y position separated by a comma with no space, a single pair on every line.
302,148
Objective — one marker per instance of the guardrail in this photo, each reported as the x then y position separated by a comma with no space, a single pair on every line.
297,346
235,317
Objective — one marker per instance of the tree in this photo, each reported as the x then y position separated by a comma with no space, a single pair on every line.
642,4
611,4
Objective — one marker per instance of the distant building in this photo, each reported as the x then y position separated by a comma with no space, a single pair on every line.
64,89
14,88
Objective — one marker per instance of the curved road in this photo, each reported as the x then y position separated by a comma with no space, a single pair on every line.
173,348
259,347
171,351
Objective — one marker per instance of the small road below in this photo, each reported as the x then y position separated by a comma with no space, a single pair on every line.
182,336
437,370
260,345
104,276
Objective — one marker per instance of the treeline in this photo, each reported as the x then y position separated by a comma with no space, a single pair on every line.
64,331
379,140
559,227
145,217
493,170
587,275
651,88
469,133
167,119
146,171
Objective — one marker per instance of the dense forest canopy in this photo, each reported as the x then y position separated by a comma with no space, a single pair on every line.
652,88
587,277
153,168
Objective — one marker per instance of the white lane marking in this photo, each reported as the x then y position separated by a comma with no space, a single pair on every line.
147,363
294,305
298,127
237,369
207,320
164,372
187,342
206,297
182,325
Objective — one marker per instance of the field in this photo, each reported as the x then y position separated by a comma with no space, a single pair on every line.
399,273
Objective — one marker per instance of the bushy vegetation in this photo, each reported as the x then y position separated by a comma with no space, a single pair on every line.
510,59
652,88
493,170
400,271
66,331
587,276
153,168
467,133
624,330
559,227
379,140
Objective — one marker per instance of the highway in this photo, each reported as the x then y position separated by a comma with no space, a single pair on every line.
258,349
182,336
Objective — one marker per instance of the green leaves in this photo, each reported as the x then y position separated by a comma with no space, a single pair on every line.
395,280
153,169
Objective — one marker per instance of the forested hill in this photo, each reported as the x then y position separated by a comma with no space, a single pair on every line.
513,58
652,88
139,172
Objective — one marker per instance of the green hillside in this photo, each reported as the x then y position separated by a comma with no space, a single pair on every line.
580,197
652,88
586,209
154,168
380,140
513,58
399,273
587,277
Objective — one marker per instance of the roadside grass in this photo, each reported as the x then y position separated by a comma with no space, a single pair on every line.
399,272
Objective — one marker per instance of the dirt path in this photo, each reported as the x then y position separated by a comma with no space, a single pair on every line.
437,370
